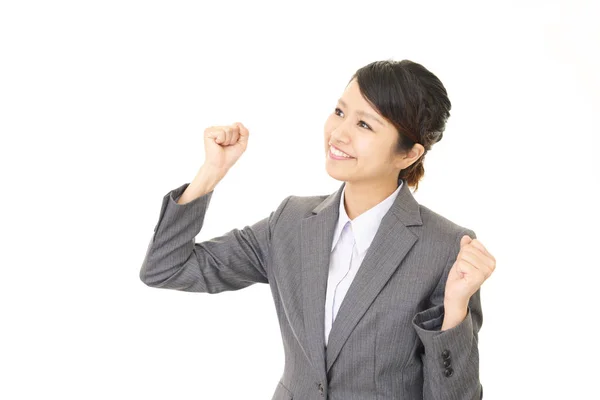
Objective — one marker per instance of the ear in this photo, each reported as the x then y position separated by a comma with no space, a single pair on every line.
416,152
413,155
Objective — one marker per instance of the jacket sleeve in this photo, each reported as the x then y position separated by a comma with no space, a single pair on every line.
451,357
231,261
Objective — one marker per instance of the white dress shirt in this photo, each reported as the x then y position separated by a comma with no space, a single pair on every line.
351,239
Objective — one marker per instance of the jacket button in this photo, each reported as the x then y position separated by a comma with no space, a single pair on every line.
321,388
446,354
447,362
448,372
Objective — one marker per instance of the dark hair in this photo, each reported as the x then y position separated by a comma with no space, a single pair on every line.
413,100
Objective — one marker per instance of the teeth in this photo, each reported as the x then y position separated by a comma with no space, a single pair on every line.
339,153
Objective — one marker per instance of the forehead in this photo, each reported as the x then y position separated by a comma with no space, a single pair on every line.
352,93
353,98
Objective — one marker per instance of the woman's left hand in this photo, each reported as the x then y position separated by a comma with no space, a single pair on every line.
473,265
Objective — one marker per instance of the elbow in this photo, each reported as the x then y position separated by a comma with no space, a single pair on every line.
146,277
155,277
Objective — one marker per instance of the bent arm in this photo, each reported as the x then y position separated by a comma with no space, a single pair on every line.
451,357
231,261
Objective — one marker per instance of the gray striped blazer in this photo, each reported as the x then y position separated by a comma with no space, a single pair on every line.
386,341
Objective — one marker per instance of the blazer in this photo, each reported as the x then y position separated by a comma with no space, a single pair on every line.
385,342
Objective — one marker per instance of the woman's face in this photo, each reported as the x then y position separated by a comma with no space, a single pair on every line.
355,128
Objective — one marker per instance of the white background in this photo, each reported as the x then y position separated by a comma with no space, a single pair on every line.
102,109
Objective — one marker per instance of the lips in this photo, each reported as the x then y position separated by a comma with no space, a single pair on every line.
332,156
342,151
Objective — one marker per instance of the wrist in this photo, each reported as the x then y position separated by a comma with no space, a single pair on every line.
455,303
453,316
211,171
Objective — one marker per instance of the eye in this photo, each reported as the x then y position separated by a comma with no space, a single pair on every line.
364,123
366,126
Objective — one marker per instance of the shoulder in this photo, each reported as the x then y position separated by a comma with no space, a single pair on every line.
291,211
442,228
294,206
434,220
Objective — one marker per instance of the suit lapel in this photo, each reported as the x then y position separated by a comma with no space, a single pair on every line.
390,245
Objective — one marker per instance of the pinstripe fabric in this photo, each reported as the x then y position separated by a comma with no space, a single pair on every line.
385,342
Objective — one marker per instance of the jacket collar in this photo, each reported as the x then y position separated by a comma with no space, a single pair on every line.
390,245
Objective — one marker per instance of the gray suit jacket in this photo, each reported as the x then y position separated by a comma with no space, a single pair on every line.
385,342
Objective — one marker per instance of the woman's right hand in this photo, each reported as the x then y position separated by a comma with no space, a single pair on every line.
223,145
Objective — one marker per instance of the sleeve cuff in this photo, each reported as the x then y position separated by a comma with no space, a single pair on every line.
174,210
428,324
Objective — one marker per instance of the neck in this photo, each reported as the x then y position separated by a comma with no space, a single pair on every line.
362,196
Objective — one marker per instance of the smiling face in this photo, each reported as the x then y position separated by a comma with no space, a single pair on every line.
357,129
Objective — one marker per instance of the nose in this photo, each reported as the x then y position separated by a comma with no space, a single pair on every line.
340,135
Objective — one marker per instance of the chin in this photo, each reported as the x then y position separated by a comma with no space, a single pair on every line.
332,172
338,178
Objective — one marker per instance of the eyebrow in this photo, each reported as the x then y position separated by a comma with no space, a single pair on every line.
363,113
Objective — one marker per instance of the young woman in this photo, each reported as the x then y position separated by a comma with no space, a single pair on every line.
377,296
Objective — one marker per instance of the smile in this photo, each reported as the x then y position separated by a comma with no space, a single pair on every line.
338,155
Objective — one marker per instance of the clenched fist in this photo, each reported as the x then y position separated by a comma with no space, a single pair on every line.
474,264
223,145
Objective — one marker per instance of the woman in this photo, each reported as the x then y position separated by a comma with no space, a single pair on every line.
377,296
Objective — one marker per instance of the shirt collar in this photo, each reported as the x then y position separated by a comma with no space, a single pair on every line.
365,226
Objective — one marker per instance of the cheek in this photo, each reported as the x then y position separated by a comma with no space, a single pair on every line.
330,124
